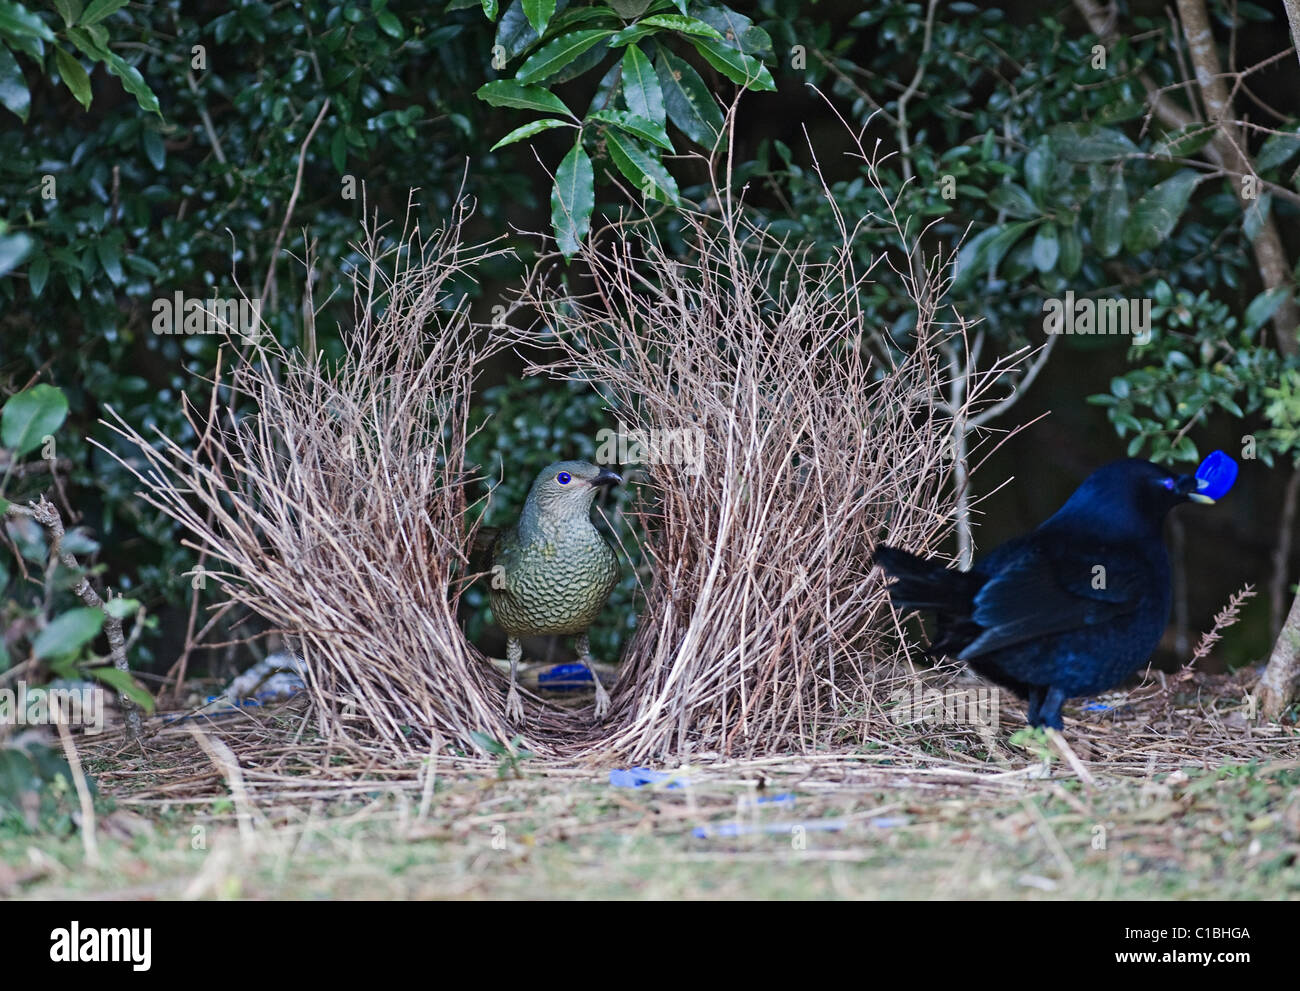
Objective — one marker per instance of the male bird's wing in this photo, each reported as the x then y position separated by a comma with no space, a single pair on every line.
1043,586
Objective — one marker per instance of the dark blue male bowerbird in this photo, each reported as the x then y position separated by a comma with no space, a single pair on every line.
1074,607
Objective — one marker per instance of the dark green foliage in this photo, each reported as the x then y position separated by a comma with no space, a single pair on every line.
644,86
144,205
36,790
174,167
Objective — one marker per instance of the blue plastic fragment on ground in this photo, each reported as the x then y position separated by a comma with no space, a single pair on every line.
724,830
565,678
784,799
1216,475
636,777
1098,707
889,822
230,707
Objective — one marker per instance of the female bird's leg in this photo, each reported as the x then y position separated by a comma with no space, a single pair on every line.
584,657
514,707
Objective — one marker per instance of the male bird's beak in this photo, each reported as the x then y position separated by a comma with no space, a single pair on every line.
607,476
1188,485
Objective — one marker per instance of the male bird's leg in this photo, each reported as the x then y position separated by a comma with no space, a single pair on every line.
584,657
514,707
1035,704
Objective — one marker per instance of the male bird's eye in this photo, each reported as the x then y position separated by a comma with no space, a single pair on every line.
1169,483
563,478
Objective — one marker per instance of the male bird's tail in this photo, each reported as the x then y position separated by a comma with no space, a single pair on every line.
926,584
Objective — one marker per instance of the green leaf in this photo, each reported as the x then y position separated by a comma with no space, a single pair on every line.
100,9
120,608
631,35
133,83
1277,149
1047,247
18,21
539,14
664,22
641,168
1040,163
14,95
91,43
736,29
973,251
984,251
1155,214
110,256
68,633
29,416
1090,143
1014,200
508,93
1109,217
682,25
13,249
554,56
37,274
154,147
494,747
514,34
1071,252
490,9
641,89
688,102
69,10
1185,141
529,129
1255,215
339,149
74,76
87,43
389,24
735,65
1263,306
572,199
636,125
1120,110
125,685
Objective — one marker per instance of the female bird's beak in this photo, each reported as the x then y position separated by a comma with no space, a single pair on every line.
607,476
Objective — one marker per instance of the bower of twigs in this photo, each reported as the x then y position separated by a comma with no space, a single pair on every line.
332,499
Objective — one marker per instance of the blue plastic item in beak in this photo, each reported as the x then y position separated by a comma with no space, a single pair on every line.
1216,475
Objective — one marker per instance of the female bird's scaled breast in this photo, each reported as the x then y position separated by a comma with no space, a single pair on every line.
555,587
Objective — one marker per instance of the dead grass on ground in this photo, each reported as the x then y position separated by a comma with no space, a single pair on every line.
1193,799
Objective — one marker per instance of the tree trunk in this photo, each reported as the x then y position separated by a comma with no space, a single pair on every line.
1278,687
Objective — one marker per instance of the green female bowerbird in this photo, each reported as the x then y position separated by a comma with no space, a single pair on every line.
552,571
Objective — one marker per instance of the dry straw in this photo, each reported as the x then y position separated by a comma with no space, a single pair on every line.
336,500
763,625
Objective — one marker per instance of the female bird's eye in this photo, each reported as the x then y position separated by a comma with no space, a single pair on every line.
564,478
